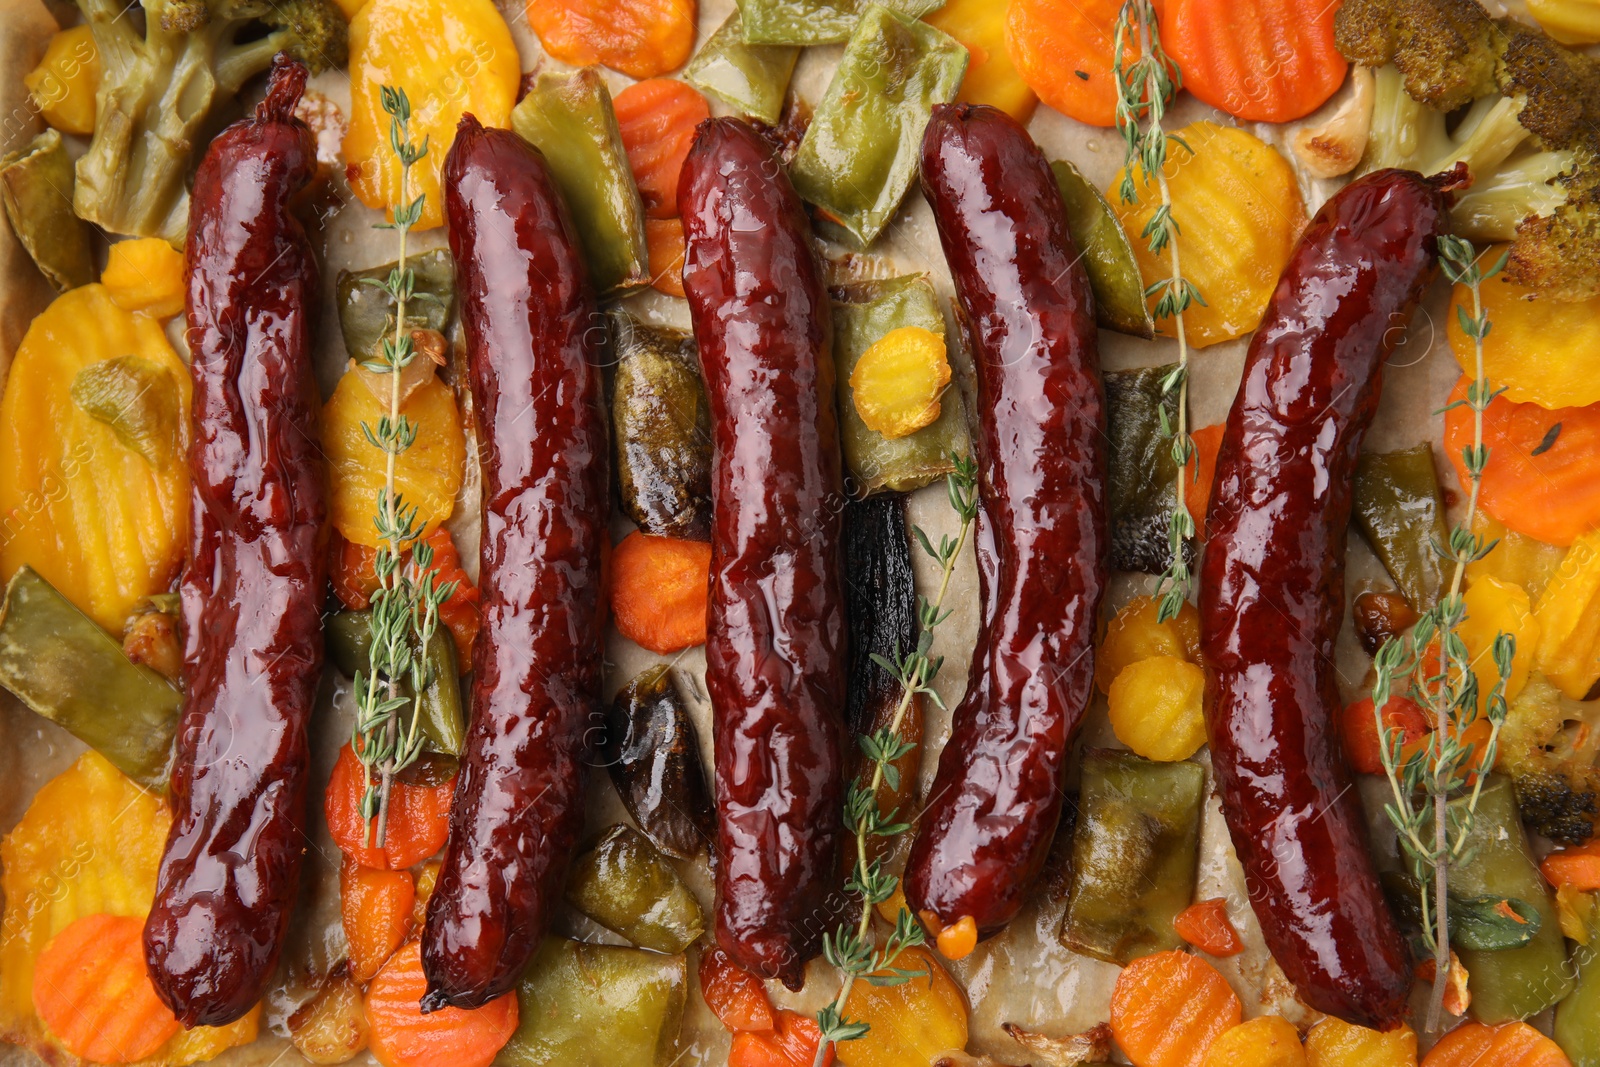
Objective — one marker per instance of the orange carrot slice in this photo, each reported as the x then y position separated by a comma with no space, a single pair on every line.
734,995
1358,729
665,239
641,38
1258,60
376,908
1168,1007
658,119
418,822
1206,926
659,591
1512,1044
451,1037
91,989
1062,49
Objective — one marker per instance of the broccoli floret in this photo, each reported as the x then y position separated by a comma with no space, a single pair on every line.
1529,128
159,83
1547,747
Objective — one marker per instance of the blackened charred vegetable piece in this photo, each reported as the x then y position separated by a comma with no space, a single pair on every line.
751,78
1119,300
366,307
1272,591
623,884
862,313
859,155
1141,469
1133,857
253,584
442,722
654,758
775,653
532,351
987,830
662,430
569,118
1399,511
62,665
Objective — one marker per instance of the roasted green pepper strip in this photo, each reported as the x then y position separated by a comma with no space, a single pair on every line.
803,22
1399,511
36,184
1119,302
750,78
653,754
62,665
1141,468
443,725
1577,1028
582,1005
1134,852
860,153
138,398
569,118
662,430
624,885
1511,983
366,308
862,313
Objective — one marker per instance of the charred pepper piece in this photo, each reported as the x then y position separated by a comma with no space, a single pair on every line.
1119,301
366,307
662,430
1399,511
1141,468
441,721
803,22
654,759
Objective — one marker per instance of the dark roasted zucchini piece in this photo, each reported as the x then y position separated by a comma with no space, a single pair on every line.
653,755
623,884
1399,511
1134,852
662,430
1142,470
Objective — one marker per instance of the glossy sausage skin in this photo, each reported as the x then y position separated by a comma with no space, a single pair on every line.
775,651
532,329
254,581
1272,591
1029,314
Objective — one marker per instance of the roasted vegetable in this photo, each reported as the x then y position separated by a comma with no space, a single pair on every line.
1119,302
1480,923
442,722
145,275
863,313
138,399
1136,633
63,85
95,517
1530,137
662,430
897,382
1399,511
640,38
859,155
59,663
569,118
1156,708
132,180
331,1027
814,21
366,307
1380,615
750,78
452,58
1511,983
623,884
1577,1022
1548,747
1540,351
1139,482
653,755
1133,855
36,189
992,76
910,1022
89,843
1569,620
1516,558
597,1006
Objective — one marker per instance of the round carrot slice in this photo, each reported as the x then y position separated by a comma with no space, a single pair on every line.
1258,60
1168,1007
659,589
418,823
641,38
1514,1044
657,119
92,991
451,1037
1062,49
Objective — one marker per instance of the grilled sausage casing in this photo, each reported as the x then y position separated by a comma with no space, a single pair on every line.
775,653
532,332
254,581
1272,591
1041,464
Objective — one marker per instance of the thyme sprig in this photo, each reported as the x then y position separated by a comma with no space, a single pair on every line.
1434,833
854,951
1145,89
405,607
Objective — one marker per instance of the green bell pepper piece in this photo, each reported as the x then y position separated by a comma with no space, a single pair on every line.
1512,983
138,398
1119,302
582,1005
803,22
860,153
443,724
862,313
569,118
1399,511
366,308
750,78
625,885
58,662
1134,855
36,184
1577,1028
661,427
1141,470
